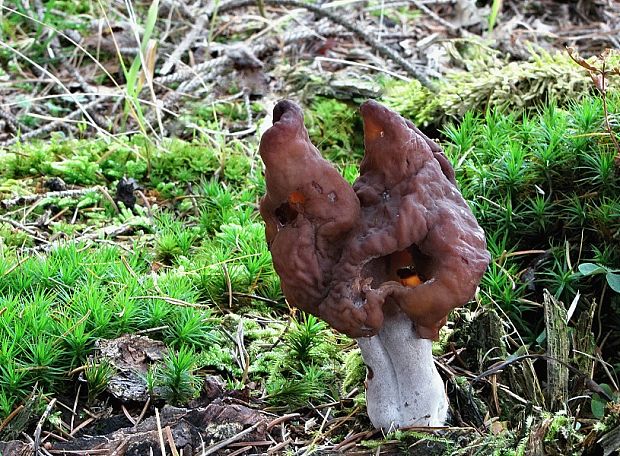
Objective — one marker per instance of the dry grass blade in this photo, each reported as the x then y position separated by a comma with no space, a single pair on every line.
170,438
160,433
10,417
83,109
39,428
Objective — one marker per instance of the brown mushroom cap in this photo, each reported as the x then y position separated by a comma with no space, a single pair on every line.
308,209
343,254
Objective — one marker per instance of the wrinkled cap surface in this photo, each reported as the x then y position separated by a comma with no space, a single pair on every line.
402,235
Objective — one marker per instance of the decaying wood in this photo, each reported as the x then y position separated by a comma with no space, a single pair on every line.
557,349
131,355
535,442
584,344
188,429
493,339
611,442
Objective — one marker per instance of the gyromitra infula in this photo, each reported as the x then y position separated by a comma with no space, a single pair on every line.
384,261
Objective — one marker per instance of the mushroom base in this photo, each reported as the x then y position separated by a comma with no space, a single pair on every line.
403,386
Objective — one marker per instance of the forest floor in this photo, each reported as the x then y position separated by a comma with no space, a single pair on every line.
139,309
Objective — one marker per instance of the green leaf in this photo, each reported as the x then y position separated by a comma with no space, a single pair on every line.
587,269
613,279
542,337
495,9
605,387
151,19
598,406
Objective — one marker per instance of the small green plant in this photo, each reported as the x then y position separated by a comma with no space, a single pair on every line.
98,374
612,276
304,365
190,327
176,379
298,387
141,70
46,364
496,7
304,341
174,239
77,340
599,403
150,378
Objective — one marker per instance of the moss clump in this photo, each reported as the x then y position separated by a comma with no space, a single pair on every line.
335,129
13,237
93,162
514,86
413,101
544,181
490,83
355,371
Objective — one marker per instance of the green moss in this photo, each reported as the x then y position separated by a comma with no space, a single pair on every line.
335,129
539,181
490,83
355,371
13,237
305,367
412,101
514,86
562,434
92,162
84,294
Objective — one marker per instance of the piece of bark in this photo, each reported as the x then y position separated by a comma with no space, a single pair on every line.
131,355
558,352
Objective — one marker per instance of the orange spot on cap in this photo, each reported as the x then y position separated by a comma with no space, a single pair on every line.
372,130
296,198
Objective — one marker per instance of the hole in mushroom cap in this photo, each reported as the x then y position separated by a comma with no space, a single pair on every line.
409,267
409,277
286,214
370,374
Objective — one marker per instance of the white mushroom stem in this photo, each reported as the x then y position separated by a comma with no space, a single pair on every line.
403,387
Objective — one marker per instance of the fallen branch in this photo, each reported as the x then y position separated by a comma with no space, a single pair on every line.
32,233
8,203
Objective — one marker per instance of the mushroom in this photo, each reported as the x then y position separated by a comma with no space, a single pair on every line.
384,261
